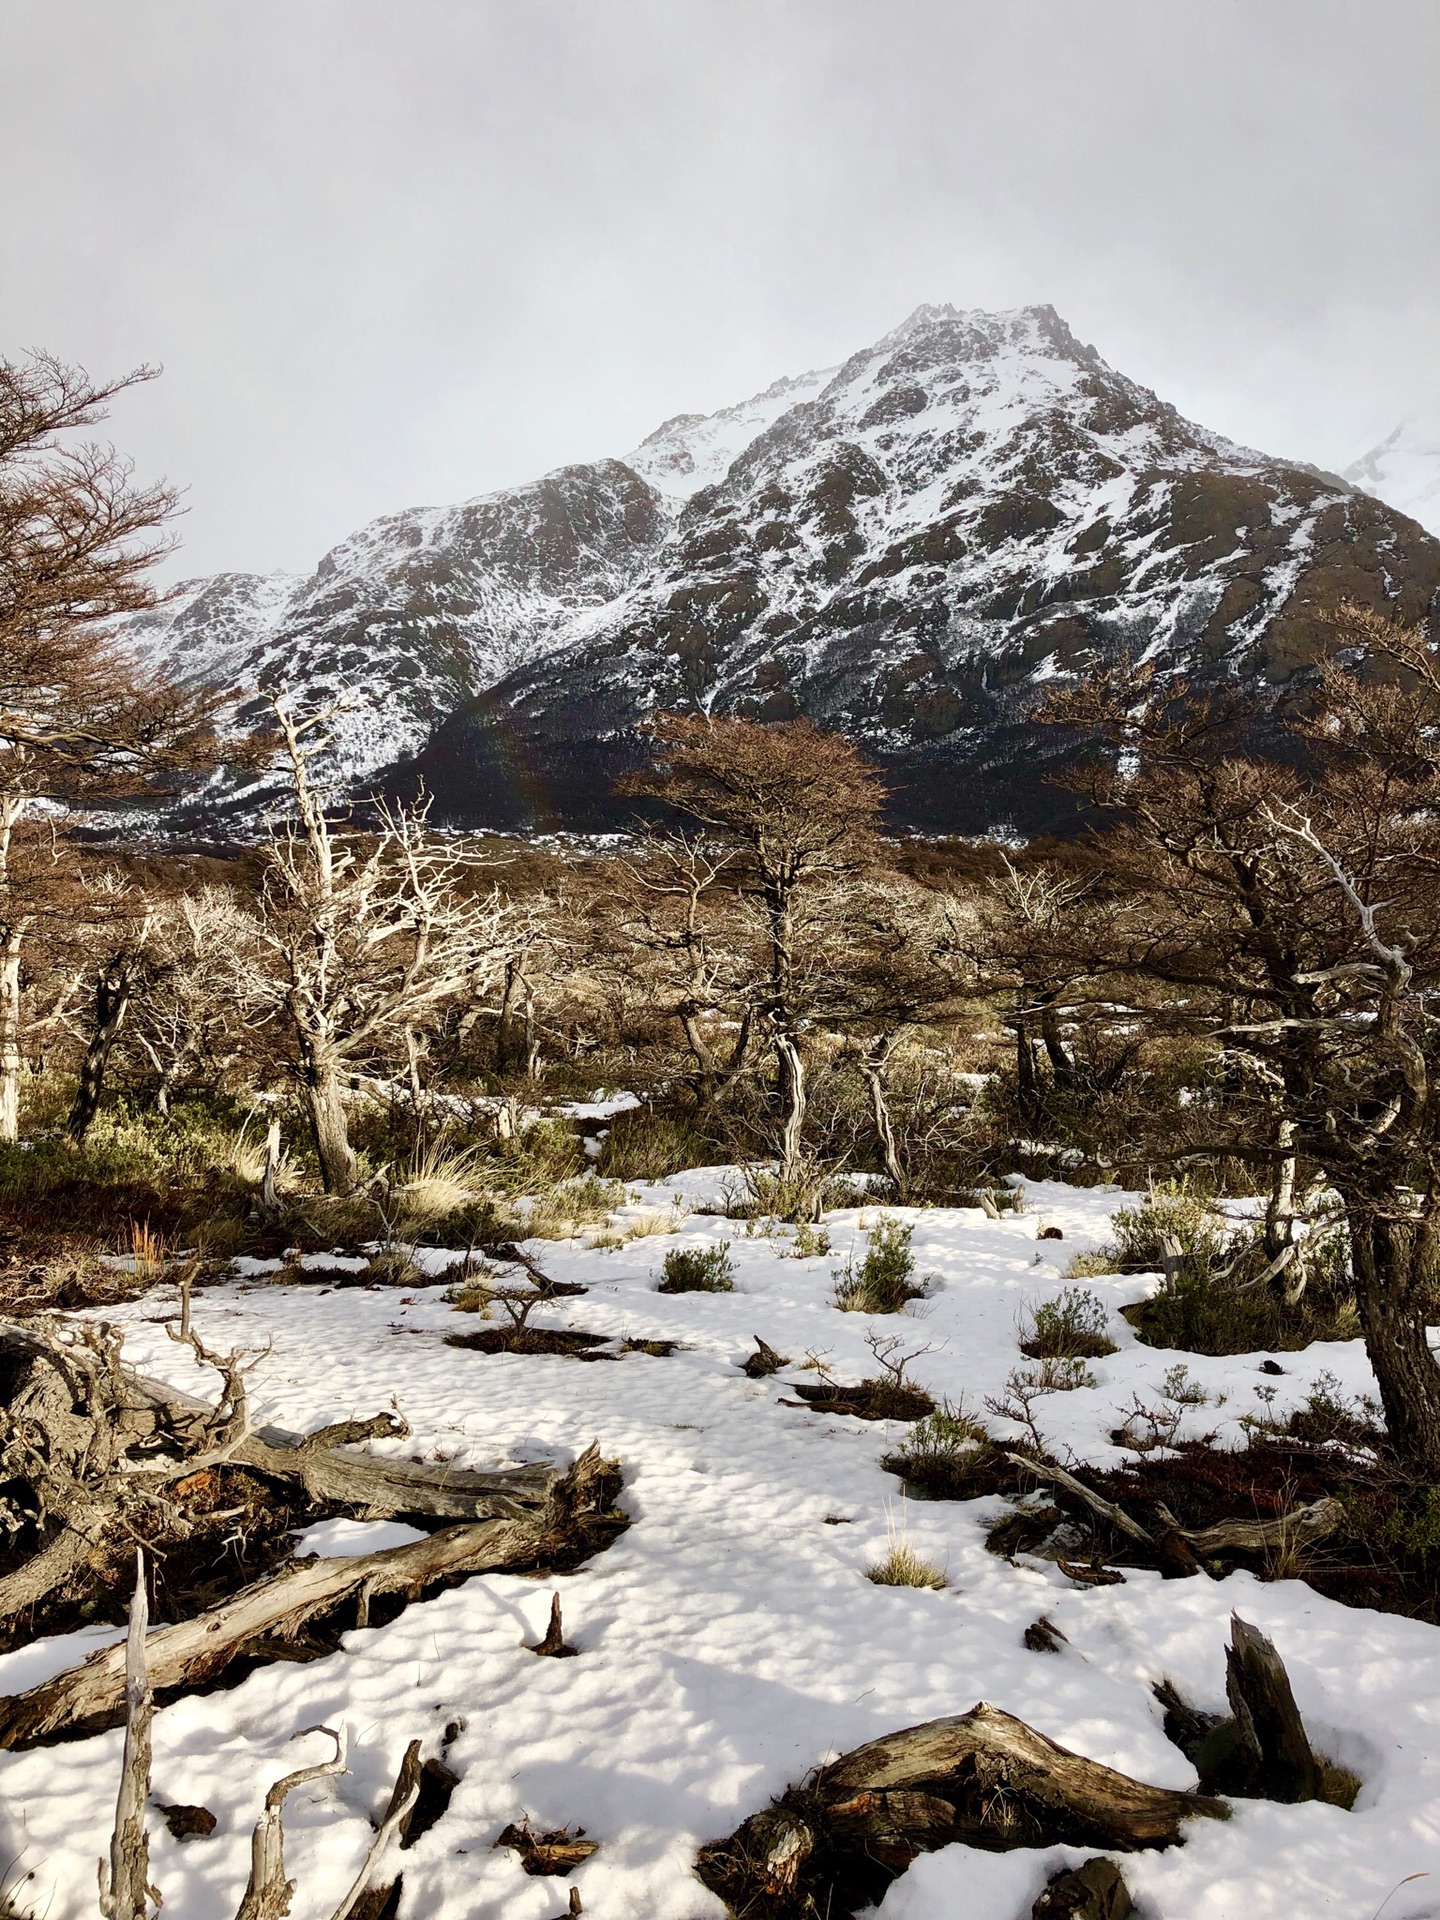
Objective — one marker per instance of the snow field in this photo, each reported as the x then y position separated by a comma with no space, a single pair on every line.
729,1640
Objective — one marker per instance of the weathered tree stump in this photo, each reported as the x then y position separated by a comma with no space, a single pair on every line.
833,1844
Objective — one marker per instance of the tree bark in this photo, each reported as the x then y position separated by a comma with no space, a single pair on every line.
505,1020
1258,1689
12,933
1395,1267
325,1110
10,1058
112,1002
1027,1081
1062,1064
792,1102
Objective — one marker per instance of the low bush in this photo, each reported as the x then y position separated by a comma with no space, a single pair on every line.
950,1456
1071,1326
644,1145
884,1280
1170,1212
1196,1312
698,1270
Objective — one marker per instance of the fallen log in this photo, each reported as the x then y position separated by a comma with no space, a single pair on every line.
92,1453
983,1778
577,1520
1104,1509
1176,1547
1300,1528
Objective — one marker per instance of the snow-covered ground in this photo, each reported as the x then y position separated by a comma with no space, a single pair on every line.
729,1641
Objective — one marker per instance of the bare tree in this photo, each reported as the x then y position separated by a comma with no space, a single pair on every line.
679,927
796,806
367,936
78,716
186,1023
1293,914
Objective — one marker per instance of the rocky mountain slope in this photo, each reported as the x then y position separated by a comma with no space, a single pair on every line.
904,547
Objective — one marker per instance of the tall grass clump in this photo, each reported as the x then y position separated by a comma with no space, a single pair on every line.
644,1145
903,1566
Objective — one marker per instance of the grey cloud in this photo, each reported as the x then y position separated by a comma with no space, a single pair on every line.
393,252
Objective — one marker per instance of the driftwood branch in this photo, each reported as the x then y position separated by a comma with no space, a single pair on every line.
1104,1509
1299,1528
268,1893
403,1796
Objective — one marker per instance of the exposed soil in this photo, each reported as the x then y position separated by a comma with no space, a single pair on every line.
569,1343
868,1400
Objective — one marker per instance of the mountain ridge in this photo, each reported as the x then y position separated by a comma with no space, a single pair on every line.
904,546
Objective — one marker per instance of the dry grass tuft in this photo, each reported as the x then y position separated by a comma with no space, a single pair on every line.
904,1567
441,1180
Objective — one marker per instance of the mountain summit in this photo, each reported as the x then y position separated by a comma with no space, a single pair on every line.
902,547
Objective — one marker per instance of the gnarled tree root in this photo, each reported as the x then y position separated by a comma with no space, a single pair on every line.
983,1777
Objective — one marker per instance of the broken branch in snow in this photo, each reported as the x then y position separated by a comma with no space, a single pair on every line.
1105,1509
268,1893
125,1889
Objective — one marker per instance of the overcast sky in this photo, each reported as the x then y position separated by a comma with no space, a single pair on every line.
403,251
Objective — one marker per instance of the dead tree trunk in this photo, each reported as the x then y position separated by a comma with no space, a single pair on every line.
792,1103
1268,1720
1396,1264
329,1127
10,1055
125,1889
873,1067
113,987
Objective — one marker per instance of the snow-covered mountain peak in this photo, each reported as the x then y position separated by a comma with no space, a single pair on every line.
1404,469
903,547
697,450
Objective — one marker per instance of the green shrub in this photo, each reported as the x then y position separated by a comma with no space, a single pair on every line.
698,1270
884,1281
1166,1212
1071,1326
1197,1312
949,1456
